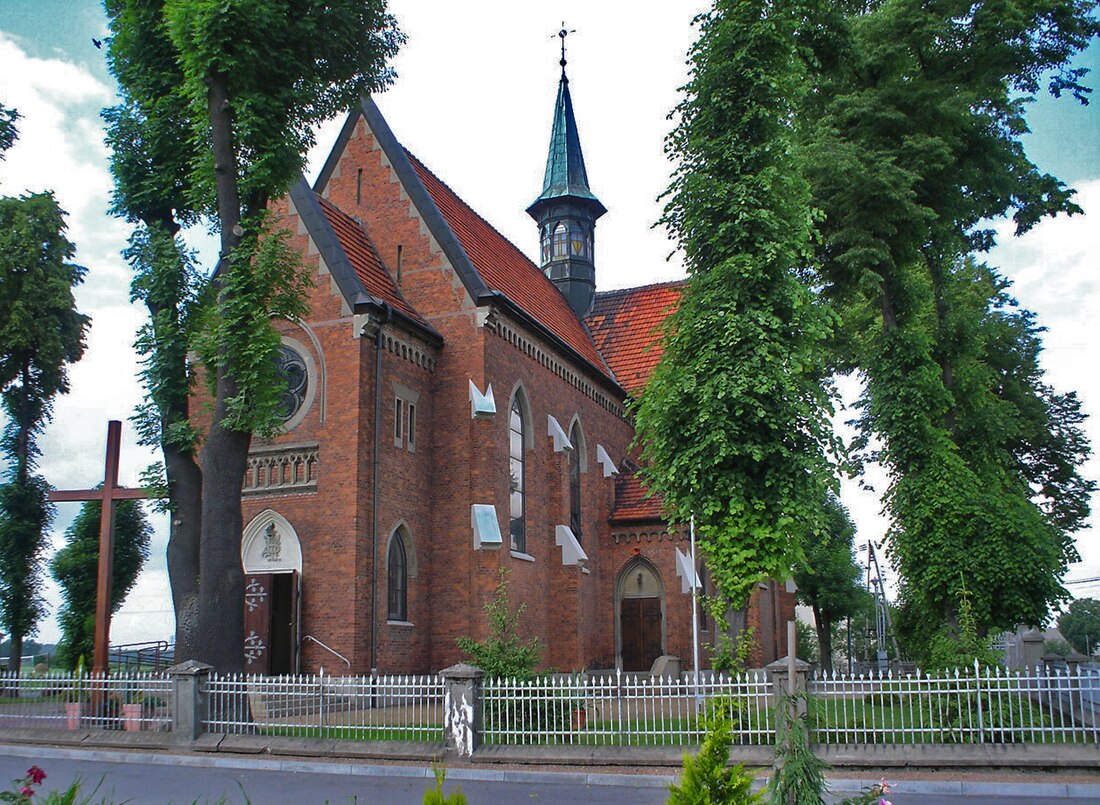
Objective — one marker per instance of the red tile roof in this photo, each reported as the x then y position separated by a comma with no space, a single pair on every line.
365,260
506,269
624,324
631,502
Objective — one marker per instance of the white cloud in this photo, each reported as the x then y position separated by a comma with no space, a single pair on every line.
60,148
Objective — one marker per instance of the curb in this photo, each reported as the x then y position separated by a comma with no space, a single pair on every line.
845,786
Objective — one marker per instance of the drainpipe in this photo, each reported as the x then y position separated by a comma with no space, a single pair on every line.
385,317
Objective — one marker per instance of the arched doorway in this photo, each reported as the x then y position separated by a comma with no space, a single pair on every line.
272,559
639,612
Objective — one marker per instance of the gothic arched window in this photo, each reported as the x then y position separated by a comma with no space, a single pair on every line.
517,438
561,242
398,585
576,439
545,244
578,242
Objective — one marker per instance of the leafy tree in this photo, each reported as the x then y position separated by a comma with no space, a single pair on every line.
925,103
75,569
503,653
41,333
734,424
828,577
1080,624
219,103
8,131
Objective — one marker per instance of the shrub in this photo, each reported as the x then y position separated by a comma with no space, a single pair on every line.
707,778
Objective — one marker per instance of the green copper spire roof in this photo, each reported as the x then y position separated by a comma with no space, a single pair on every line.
565,174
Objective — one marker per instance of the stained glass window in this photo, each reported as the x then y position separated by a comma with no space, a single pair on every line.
293,367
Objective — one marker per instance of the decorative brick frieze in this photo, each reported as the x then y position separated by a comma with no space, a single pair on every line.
648,534
279,469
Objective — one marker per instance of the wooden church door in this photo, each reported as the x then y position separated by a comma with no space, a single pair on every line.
641,632
270,623
641,619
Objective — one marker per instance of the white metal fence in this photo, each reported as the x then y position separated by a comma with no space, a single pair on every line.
976,705
622,709
71,702
385,708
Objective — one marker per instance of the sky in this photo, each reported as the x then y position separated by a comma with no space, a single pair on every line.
473,100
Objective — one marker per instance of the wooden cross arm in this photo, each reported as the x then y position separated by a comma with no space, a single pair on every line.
118,493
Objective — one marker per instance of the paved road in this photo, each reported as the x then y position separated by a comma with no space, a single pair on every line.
152,781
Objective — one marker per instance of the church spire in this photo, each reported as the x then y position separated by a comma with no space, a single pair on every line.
566,210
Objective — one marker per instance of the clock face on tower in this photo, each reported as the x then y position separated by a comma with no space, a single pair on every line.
292,366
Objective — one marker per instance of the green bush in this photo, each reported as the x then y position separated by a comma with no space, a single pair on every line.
434,796
708,779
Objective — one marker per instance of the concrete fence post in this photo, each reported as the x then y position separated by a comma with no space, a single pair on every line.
779,673
188,699
462,705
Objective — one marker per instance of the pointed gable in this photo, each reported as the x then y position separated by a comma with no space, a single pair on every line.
625,325
364,259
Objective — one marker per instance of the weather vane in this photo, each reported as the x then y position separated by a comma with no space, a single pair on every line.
563,33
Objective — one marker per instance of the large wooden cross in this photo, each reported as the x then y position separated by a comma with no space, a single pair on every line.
108,494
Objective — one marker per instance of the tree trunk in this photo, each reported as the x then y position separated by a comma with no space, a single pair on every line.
225,454
184,539
824,627
15,654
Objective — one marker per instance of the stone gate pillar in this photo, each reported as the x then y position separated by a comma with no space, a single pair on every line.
462,703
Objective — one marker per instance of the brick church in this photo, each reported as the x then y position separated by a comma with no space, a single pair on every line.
454,409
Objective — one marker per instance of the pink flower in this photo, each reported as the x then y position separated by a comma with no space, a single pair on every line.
884,802
884,786
27,791
36,775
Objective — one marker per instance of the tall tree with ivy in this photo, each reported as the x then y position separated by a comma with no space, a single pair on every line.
913,125
734,424
41,333
75,568
236,87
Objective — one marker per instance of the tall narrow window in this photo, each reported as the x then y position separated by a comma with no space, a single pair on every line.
411,429
398,580
561,242
398,421
575,481
545,244
516,472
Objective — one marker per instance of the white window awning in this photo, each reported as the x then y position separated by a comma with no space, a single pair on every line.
486,526
571,551
482,406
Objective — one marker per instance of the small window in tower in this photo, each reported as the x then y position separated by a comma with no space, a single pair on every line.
561,242
578,242
411,430
545,243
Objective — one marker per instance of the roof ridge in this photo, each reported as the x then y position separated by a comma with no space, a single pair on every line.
476,214
663,284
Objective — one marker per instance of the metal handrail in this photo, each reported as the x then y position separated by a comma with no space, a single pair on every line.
331,651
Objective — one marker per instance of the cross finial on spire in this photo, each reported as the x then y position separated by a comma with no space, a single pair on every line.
562,34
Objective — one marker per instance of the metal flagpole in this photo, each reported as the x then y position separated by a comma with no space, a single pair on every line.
695,616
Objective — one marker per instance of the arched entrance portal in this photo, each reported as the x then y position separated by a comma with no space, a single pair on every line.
640,622
272,560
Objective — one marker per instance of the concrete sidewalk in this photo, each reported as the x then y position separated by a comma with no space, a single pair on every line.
909,783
